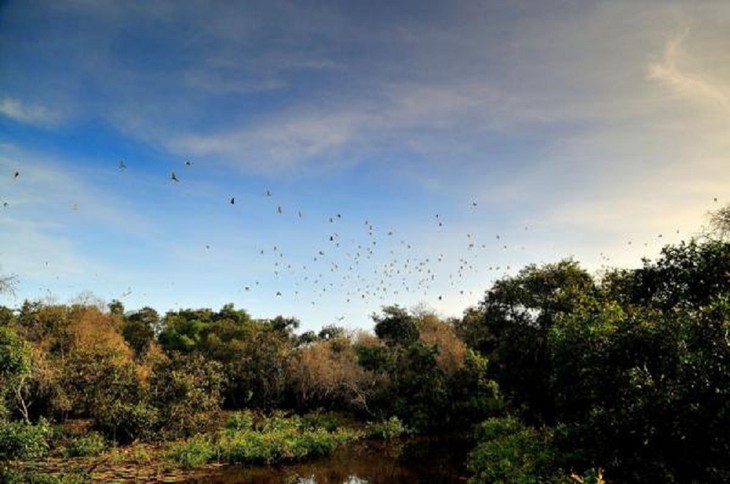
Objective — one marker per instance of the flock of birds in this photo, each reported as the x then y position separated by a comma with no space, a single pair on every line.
371,265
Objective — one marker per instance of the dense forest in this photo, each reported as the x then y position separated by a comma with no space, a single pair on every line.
558,374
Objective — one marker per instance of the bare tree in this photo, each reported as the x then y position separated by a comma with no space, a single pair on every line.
720,223
8,283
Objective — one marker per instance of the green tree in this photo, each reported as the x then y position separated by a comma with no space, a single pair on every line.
641,375
15,369
395,326
186,390
518,314
139,330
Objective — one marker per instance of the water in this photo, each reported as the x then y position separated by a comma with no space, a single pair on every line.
416,460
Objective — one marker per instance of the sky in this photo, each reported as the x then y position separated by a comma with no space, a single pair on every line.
335,157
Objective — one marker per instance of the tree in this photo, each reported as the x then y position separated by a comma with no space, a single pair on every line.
116,307
720,224
186,391
15,368
395,326
641,374
331,331
139,330
327,373
518,314
7,284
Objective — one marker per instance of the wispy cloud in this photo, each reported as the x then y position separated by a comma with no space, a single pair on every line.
692,85
26,113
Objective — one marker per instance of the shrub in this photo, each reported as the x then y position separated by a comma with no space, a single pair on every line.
270,440
21,440
89,445
125,422
193,452
386,430
511,452
186,390
240,420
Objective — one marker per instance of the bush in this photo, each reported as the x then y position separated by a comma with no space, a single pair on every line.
386,430
511,452
270,440
89,445
240,420
186,390
21,440
193,452
125,422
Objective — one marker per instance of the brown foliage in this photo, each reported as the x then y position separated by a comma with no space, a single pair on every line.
452,350
328,373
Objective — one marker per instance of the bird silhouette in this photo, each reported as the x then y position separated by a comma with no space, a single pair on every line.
233,200
174,177
17,174
122,165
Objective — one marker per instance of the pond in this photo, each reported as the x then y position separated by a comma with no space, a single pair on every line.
420,459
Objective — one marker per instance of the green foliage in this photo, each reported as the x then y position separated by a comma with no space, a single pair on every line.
687,276
647,390
7,316
254,354
186,391
518,313
138,334
473,396
196,451
272,440
636,369
88,445
329,421
22,440
386,430
331,332
395,326
422,390
124,421
243,420
25,476
509,452
15,368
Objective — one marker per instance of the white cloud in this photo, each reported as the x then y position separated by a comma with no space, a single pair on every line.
692,85
33,114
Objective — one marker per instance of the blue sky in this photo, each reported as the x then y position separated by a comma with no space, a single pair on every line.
534,130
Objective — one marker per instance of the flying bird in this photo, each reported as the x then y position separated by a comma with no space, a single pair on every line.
122,165
174,177
188,163
279,210
17,174
233,200
268,193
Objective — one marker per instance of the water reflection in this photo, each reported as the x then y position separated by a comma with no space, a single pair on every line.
418,460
